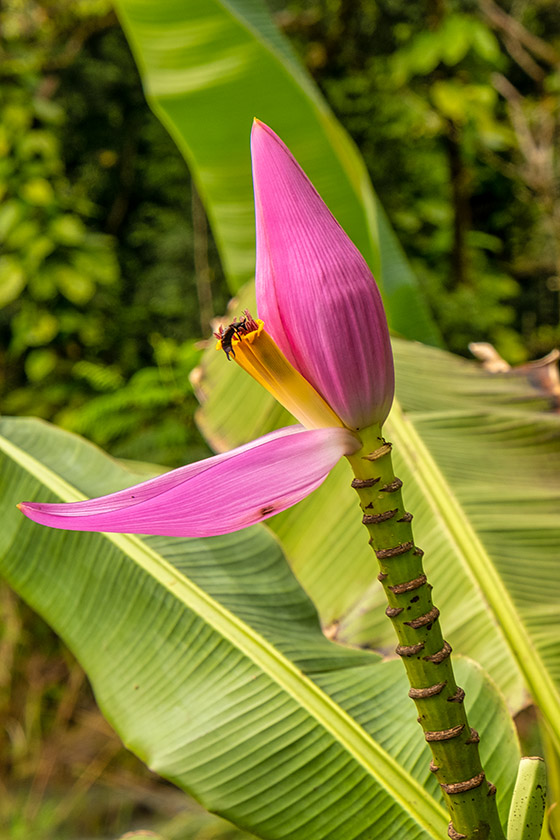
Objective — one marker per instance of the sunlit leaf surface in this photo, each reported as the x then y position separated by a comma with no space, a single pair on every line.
208,659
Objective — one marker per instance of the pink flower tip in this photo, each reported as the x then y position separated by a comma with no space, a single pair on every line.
315,292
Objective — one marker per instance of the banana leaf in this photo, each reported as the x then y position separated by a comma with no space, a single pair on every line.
480,462
208,659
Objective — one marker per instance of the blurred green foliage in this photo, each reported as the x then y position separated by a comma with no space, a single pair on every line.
108,277
99,309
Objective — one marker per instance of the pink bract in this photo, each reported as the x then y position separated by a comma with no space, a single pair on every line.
214,496
315,293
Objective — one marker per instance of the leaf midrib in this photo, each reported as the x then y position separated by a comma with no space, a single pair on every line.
402,787
479,565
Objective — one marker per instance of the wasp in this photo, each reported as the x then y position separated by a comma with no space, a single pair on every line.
226,337
236,328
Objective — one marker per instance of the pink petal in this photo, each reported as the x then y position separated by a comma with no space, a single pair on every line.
315,292
214,496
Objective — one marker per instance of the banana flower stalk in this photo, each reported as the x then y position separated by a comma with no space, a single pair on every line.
320,346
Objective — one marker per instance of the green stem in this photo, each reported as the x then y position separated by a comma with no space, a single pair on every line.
469,797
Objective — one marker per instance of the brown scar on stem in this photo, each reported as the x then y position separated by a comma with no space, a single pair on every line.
418,552
433,767
423,620
381,576
491,789
440,655
396,551
475,737
376,518
362,483
378,453
463,787
444,734
391,612
409,650
454,835
392,487
429,691
458,697
406,517
409,585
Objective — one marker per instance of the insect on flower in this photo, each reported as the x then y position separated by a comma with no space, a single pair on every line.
235,329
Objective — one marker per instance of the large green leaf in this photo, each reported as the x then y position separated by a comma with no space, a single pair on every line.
481,469
208,68
208,659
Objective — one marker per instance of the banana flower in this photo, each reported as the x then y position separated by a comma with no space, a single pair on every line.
320,345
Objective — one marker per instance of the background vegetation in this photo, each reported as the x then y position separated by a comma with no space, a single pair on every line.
109,278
